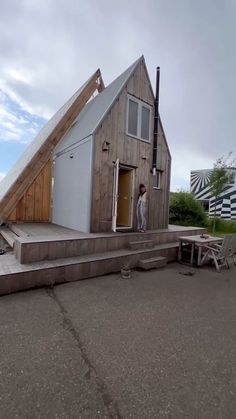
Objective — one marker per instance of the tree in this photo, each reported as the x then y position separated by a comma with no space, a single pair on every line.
219,179
186,210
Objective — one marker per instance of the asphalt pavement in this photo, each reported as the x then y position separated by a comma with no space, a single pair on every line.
159,345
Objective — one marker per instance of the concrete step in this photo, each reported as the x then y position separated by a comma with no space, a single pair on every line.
15,276
47,247
141,244
155,262
17,230
8,235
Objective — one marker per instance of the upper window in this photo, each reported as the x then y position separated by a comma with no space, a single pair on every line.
133,118
145,123
138,119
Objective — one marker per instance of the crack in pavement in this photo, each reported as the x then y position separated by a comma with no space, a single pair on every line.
109,403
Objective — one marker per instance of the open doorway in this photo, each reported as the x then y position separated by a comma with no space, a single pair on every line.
125,198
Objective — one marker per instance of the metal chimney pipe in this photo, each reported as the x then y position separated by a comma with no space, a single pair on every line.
156,117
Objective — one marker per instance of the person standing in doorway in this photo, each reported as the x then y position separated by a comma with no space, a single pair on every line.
141,209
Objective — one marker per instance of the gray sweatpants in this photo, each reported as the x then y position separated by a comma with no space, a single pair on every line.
141,216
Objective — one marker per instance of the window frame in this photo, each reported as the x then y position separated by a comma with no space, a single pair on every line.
141,104
137,127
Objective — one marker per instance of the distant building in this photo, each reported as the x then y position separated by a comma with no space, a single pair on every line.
225,204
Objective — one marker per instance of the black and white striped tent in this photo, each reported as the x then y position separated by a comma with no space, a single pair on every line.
225,203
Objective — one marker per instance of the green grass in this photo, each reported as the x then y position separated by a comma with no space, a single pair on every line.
216,234
222,227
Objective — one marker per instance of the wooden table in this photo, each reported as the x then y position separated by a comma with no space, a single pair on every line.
196,241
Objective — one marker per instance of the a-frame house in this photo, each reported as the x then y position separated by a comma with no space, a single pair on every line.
84,168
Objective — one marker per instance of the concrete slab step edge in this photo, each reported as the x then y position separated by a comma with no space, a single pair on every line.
8,235
17,231
154,262
58,271
141,244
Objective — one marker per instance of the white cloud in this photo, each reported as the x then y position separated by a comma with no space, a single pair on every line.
2,175
9,129
15,124
6,115
18,75
48,49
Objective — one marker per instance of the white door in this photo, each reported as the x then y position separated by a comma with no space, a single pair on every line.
115,194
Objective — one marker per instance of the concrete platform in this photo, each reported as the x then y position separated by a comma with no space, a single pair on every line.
62,243
66,255
17,277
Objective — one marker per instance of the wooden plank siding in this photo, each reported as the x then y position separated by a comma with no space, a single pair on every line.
35,205
130,151
159,198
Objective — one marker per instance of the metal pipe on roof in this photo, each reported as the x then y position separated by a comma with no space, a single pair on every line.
156,117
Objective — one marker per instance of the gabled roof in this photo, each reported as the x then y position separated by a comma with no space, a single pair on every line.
91,117
88,116
95,111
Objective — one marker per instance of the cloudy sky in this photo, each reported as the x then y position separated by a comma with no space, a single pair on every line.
49,48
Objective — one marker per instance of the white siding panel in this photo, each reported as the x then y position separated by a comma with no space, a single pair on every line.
72,187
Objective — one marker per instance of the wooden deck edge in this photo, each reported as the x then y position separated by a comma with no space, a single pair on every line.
50,276
29,252
8,236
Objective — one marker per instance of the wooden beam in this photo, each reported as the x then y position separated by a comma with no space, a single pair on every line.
101,85
38,161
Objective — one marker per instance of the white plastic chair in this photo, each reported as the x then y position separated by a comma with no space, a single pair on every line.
233,246
220,254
